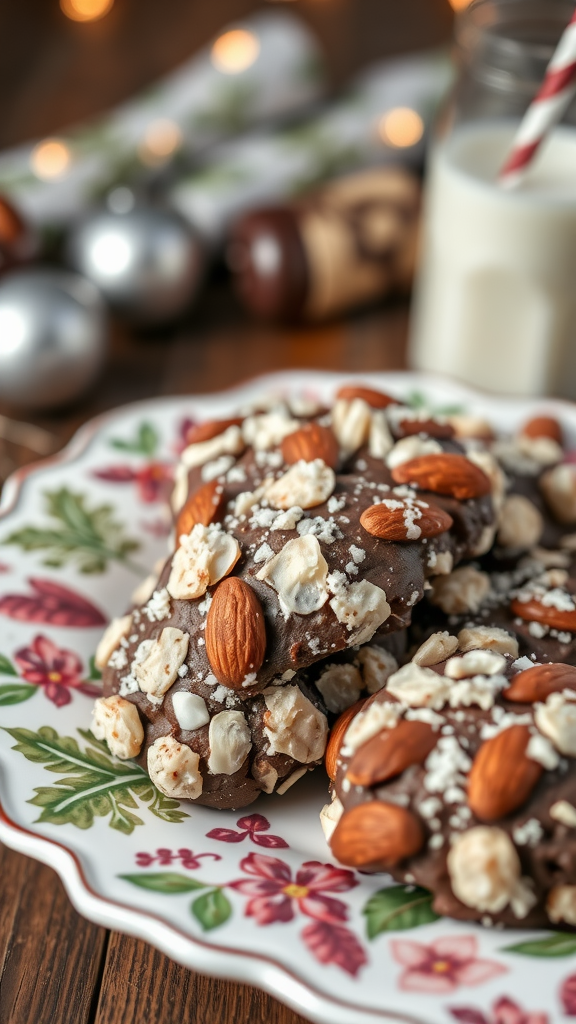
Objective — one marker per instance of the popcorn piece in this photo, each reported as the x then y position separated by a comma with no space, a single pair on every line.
298,574
484,663
520,524
557,720
174,769
488,638
369,723
561,904
462,591
159,669
230,742
377,666
305,484
117,721
340,686
351,423
294,726
230,442
117,629
268,430
204,556
419,687
435,649
190,710
362,607
484,870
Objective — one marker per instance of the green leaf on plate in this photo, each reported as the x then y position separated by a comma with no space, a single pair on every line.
15,693
168,882
558,944
397,909
212,909
94,673
89,537
6,666
145,442
95,784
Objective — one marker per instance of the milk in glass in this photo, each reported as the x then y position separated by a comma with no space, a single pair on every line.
495,303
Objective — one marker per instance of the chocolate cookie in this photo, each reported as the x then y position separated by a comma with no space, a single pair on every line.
460,776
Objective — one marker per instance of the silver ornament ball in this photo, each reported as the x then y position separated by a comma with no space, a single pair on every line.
145,260
53,335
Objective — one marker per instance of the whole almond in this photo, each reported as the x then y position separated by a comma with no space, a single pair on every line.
431,427
543,426
375,399
502,777
390,752
444,473
336,737
205,506
311,442
396,523
235,633
212,428
376,835
535,611
537,683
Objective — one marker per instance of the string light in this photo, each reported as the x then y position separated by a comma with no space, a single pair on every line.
401,127
50,159
235,51
161,140
85,10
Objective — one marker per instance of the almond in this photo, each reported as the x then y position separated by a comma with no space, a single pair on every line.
502,777
235,633
431,427
535,611
311,442
376,835
390,752
205,506
337,735
536,684
450,474
211,428
543,426
375,399
410,522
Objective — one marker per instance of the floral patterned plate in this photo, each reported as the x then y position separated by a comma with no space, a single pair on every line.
253,896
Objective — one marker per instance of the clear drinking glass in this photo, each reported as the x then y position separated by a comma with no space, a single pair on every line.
495,298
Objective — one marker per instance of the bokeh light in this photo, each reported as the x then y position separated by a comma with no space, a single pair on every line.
50,159
85,10
401,127
459,5
235,51
161,140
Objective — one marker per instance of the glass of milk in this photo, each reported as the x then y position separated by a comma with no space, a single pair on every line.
495,298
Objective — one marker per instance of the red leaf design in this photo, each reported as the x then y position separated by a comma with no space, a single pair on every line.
116,474
568,995
53,604
254,823
335,944
272,842
226,835
468,1015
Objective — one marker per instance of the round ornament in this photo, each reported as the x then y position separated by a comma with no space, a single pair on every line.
18,242
53,335
145,260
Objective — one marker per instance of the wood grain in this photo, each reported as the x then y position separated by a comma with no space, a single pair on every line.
50,957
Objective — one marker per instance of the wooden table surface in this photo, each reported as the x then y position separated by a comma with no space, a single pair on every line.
56,967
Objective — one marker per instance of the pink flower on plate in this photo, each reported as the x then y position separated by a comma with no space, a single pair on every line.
568,995
276,896
154,480
54,668
444,965
504,1011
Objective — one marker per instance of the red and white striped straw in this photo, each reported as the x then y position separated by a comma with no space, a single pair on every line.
546,110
